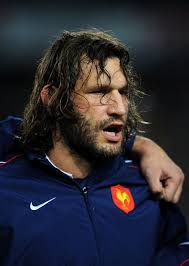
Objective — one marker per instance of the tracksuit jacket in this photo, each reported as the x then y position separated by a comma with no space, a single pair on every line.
108,219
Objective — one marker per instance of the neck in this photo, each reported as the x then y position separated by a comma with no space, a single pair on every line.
68,161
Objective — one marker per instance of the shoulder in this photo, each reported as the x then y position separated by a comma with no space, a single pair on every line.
8,136
9,125
131,169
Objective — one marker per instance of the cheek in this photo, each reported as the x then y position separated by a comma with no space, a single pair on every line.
95,115
80,103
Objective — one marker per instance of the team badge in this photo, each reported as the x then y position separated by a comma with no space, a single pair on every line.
122,198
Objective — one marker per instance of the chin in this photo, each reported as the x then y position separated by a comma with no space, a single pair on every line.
110,150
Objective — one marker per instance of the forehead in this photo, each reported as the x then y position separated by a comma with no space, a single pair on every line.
91,75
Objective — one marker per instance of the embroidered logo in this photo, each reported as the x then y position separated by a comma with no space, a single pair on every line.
122,198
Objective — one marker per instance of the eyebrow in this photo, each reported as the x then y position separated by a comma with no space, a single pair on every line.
106,87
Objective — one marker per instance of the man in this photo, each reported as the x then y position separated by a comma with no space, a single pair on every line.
74,197
165,178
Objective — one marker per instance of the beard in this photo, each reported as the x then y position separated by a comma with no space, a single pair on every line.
81,138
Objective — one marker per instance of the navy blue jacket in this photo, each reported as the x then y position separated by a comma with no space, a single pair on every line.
109,218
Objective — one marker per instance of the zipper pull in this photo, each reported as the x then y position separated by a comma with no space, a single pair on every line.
85,190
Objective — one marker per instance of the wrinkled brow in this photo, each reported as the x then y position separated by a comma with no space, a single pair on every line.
106,87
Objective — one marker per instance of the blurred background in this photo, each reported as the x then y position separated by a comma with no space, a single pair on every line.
158,37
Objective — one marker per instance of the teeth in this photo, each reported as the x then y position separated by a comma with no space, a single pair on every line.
110,133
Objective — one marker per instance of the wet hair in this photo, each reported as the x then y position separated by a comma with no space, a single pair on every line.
60,68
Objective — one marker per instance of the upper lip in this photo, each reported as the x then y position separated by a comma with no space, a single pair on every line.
118,125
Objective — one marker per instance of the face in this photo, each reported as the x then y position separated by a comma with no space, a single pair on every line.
101,108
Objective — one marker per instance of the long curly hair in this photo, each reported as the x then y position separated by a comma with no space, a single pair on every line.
60,68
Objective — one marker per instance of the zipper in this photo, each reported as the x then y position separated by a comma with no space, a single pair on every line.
85,191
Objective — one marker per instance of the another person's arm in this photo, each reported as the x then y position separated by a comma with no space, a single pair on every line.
163,175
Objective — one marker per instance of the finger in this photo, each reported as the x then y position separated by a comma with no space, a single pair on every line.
170,189
178,194
154,182
179,189
173,186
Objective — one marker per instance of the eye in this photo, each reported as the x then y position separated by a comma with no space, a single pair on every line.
124,92
100,91
96,92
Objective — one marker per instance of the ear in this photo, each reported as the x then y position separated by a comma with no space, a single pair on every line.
44,94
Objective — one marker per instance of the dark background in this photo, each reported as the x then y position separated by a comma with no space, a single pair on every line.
157,34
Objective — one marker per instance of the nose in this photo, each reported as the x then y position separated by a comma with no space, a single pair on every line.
117,103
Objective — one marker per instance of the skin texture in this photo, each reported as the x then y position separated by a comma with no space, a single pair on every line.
164,177
96,109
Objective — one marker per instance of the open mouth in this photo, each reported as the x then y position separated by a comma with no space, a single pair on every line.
113,132
113,129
